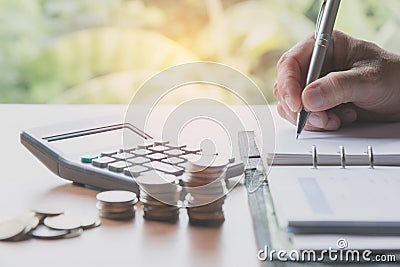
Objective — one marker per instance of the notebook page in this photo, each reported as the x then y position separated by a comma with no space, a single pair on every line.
384,137
355,195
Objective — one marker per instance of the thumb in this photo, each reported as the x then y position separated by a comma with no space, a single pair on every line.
334,89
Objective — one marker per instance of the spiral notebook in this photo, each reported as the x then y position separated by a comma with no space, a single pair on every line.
341,183
362,144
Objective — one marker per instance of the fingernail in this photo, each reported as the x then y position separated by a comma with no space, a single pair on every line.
315,120
289,102
332,125
315,99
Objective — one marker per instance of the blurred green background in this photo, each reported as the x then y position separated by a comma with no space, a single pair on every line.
100,51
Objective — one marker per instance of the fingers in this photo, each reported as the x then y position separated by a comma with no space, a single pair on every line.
337,88
322,121
292,70
317,121
346,113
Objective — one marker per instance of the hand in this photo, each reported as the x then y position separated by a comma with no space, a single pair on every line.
360,81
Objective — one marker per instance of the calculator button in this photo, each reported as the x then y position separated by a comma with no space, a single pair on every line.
88,159
141,152
108,153
139,160
175,146
118,166
235,169
174,160
135,170
174,153
160,142
159,149
164,167
103,162
123,156
127,150
188,150
145,145
157,157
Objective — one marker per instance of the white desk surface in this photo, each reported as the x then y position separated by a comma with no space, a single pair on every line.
24,181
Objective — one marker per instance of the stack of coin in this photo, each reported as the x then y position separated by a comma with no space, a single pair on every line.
204,182
116,205
46,222
159,195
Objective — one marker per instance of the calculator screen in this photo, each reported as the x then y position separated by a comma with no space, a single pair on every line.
93,143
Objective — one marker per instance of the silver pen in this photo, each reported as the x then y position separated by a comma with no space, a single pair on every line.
323,33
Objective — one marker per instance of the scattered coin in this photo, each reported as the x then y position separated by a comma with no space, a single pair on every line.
47,210
11,228
73,233
31,221
90,221
63,222
44,232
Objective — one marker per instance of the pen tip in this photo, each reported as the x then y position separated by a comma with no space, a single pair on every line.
297,136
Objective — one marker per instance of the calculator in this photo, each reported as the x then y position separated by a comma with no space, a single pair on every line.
91,153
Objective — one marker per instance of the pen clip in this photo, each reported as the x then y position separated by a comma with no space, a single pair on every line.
319,19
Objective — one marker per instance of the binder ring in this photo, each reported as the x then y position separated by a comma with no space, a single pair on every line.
314,156
342,157
370,157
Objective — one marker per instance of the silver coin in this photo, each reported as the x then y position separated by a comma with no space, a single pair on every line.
216,192
206,216
73,233
152,202
196,202
97,224
63,222
210,209
207,223
165,199
160,214
170,218
117,216
113,209
11,228
160,210
101,205
116,196
156,182
44,232
90,221
48,210
31,221
207,163
219,175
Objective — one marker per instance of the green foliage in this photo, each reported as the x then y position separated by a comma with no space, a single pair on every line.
100,51
80,57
